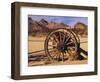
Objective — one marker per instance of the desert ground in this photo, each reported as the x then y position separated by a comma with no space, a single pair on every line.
37,56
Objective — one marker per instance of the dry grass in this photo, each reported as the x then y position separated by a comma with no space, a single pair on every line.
37,44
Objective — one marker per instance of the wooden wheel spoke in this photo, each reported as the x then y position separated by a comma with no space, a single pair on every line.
64,37
66,53
62,56
54,45
60,37
51,39
55,38
56,53
67,38
51,49
69,43
70,47
69,52
58,56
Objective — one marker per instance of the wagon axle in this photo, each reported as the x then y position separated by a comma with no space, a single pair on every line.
62,47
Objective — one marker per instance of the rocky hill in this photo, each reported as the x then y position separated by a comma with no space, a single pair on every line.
81,29
43,27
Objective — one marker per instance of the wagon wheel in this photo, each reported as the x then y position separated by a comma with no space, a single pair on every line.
61,45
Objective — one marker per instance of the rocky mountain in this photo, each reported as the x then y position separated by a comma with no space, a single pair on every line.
81,29
43,26
35,26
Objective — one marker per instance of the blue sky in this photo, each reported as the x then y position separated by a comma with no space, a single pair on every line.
71,21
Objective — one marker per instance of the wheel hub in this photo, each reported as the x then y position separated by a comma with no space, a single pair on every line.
61,47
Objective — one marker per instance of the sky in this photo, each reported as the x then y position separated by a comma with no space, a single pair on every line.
71,21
